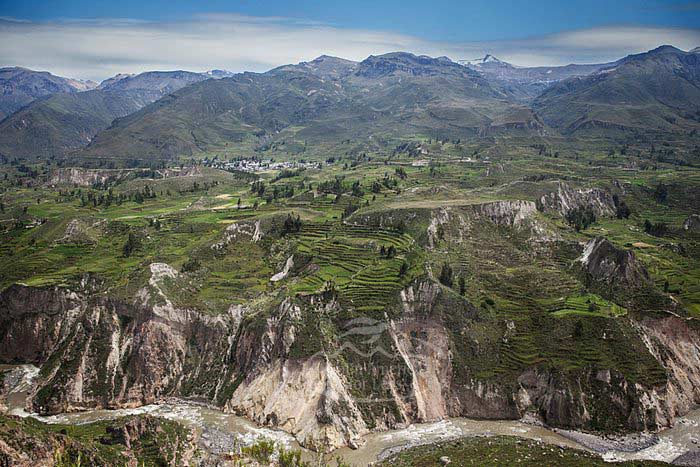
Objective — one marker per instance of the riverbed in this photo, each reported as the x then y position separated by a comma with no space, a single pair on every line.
220,432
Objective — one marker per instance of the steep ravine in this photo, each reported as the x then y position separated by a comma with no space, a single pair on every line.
97,352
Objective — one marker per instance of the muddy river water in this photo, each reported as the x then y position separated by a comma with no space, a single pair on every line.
220,431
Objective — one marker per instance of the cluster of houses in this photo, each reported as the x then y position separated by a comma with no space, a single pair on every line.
258,165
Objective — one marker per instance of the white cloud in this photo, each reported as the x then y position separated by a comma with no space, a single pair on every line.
96,49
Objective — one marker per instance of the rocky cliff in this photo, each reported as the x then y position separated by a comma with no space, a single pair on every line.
103,353
567,198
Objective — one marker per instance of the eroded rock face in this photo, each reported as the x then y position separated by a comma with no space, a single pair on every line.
610,265
505,213
84,177
454,222
423,345
567,198
98,352
88,177
242,229
307,398
675,343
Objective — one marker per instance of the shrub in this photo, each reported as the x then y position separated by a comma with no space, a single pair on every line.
446,275
657,229
291,458
580,218
261,451
191,265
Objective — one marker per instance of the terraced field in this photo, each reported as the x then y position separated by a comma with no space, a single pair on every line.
349,257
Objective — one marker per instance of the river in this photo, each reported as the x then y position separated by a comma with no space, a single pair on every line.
220,431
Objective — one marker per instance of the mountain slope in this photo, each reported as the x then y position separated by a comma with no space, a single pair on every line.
159,82
654,91
527,82
20,86
323,101
64,122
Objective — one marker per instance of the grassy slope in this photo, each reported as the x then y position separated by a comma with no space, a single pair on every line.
499,451
64,122
97,443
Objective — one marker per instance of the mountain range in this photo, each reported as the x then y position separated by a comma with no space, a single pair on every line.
21,86
156,115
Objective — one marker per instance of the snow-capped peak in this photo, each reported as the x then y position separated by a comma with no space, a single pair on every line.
218,74
488,58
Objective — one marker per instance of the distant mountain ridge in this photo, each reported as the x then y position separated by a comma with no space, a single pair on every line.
327,99
20,86
530,80
655,91
330,99
66,121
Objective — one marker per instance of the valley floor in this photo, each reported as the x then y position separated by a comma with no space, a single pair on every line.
495,441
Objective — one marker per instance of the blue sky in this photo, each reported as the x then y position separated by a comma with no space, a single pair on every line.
435,19
94,39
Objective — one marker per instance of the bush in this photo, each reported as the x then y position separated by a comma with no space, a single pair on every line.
657,229
446,275
580,218
291,458
191,265
261,451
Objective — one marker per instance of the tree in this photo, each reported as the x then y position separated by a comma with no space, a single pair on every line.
622,211
580,218
661,193
446,275
462,285
291,224
132,243
191,265
403,269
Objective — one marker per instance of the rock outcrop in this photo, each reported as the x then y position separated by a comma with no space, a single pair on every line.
518,215
607,264
567,198
692,223
307,398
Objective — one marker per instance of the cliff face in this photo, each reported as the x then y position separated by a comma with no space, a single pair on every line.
105,353
567,198
102,353
612,266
